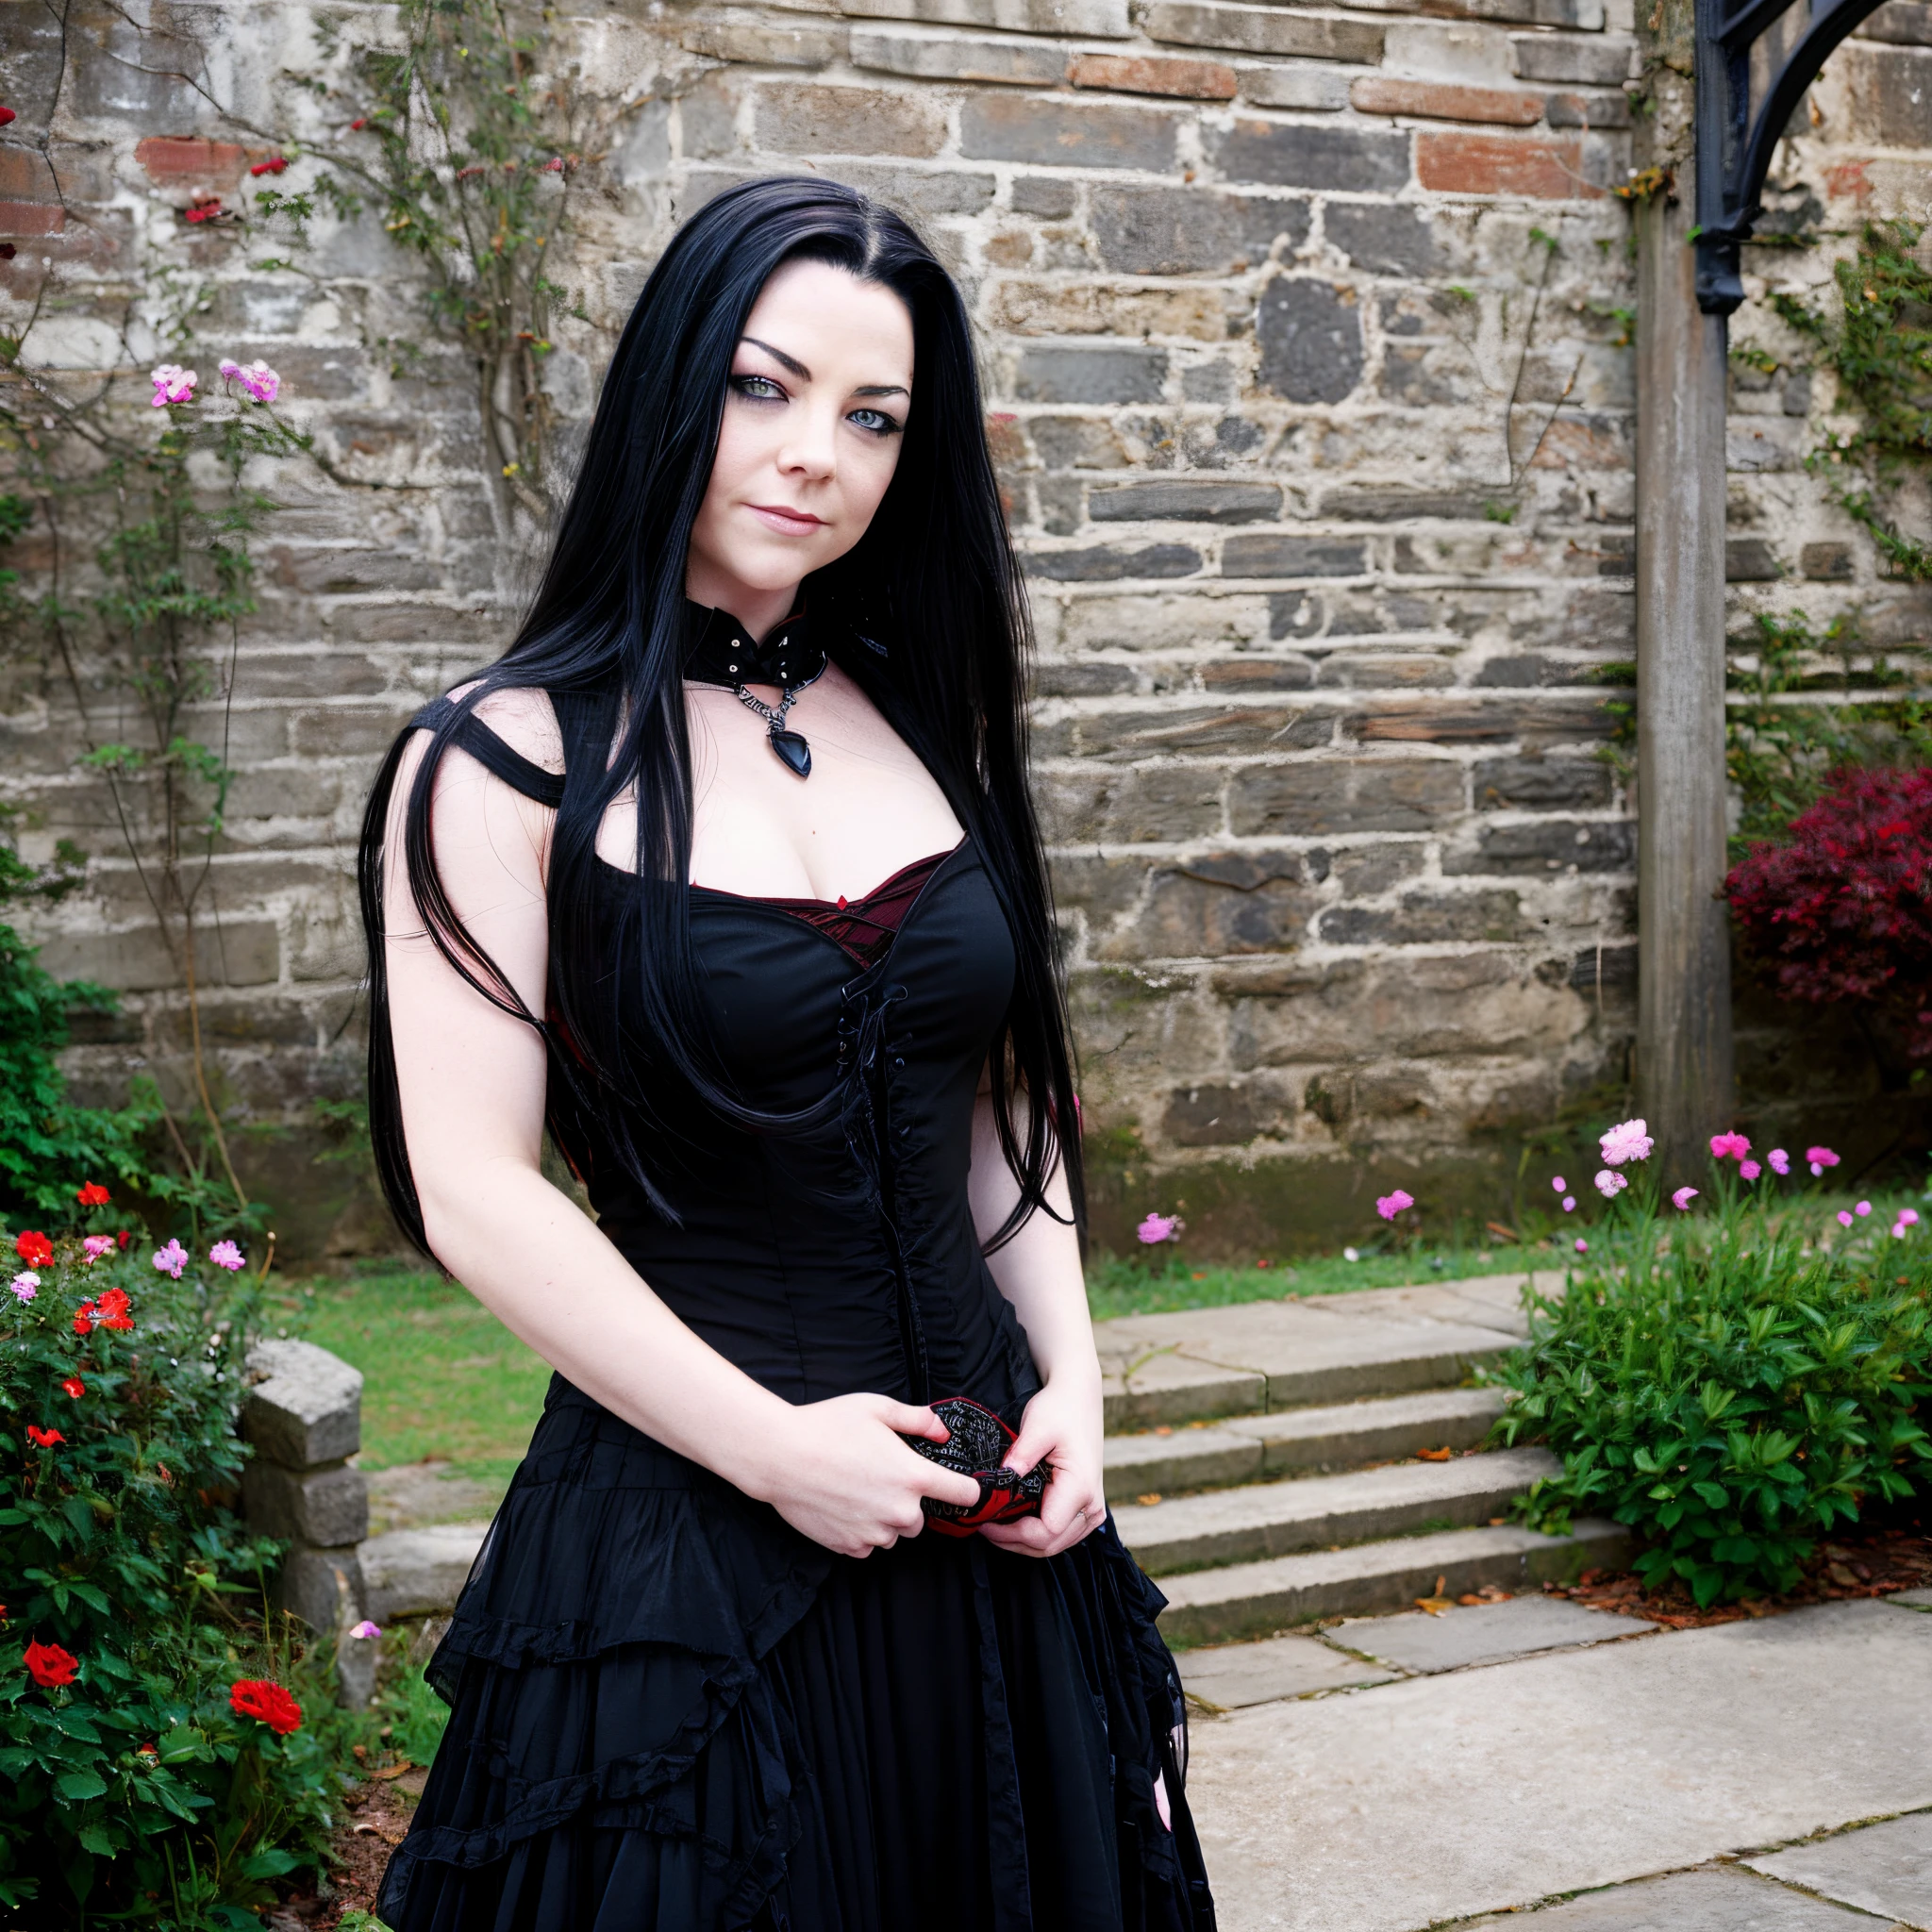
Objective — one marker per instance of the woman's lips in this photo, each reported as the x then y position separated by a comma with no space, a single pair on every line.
787,523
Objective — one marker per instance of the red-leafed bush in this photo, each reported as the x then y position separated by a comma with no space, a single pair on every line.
1843,910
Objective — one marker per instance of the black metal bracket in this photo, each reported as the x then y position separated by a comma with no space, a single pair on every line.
1734,146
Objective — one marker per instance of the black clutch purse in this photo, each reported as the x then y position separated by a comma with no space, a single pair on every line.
977,1447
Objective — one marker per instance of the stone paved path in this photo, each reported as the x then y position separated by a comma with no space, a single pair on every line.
1504,1786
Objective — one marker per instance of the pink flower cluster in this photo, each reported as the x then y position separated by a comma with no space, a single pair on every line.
174,384
1389,1205
1628,1141
1159,1227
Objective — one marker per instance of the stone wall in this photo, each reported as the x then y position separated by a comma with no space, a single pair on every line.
1305,340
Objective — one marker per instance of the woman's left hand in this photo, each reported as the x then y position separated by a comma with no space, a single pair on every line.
1062,1428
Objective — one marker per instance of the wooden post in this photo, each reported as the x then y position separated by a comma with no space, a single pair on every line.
1684,1075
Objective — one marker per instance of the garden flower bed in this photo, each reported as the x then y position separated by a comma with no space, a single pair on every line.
1735,1377
167,1750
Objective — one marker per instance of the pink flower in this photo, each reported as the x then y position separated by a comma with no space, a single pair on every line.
1820,1159
25,1285
1862,1209
1569,1204
172,384
1628,1141
1559,1185
1728,1146
225,1254
1683,1198
1610,1185
1899,1230
96,1245
1844,1219
1749,1169
172,1259
1780,1161
1159,1227
1389,1205
257,378
365,1628
1582,1245
1908,1216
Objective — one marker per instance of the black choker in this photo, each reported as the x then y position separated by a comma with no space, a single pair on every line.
724,653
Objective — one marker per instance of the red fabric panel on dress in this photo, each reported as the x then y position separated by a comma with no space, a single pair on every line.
864,927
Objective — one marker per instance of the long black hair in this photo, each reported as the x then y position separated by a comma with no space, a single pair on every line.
933,577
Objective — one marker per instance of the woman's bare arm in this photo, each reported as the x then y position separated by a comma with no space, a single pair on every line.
472,1080
1039,1271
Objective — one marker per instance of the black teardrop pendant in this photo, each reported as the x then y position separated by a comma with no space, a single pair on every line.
792,750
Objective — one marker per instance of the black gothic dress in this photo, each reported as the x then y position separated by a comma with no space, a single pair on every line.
670,1711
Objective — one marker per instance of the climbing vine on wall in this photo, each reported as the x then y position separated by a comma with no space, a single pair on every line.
1880,346
468,149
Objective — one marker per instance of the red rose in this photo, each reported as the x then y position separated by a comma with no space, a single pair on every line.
6,115
124,1237
34,1248
274,165
258,1698
43,1439
75,1387
47,1663
92,1195
109,1311
83,1319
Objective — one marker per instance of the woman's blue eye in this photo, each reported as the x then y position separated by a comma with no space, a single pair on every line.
877,421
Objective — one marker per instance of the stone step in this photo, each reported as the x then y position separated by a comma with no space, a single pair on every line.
1313,1513
1203,1364
1298,1441
1254,1599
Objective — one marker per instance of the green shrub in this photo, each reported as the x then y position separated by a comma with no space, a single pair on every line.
134,1786
44,1136
1730,1387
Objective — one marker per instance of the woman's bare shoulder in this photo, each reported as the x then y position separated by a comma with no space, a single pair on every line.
525,721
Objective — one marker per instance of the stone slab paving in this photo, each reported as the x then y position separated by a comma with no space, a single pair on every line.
1481,1633
1256,1599
1245,1673
1885,1869
1718,1898
1444,1797
1276,1519
1209,1362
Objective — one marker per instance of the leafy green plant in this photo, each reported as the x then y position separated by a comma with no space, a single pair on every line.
155,1762
1730,1387
1879,345
473,152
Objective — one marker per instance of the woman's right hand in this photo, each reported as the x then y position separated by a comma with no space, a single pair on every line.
840,1475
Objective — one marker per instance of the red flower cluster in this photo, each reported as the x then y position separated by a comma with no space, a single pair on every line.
208,210
258,1698
107,1310
1845,910
75,1387
6,115
34,1248
274,165
48,1664
94,1195
43,1439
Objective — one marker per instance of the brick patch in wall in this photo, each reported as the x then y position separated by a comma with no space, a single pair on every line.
173,161
934,57
1086,19
32,217
805,120
1068,134
1502,164
1149,74
1431,100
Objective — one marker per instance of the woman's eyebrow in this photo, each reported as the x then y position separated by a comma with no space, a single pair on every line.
779,356
882,389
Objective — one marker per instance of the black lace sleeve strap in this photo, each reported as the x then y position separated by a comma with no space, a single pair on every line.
493,755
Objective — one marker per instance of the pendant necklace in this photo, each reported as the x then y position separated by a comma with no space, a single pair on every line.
724,653
790,746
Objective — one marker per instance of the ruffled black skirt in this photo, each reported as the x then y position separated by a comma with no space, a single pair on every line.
672,1713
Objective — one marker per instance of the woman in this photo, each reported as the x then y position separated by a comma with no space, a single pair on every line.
726,874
